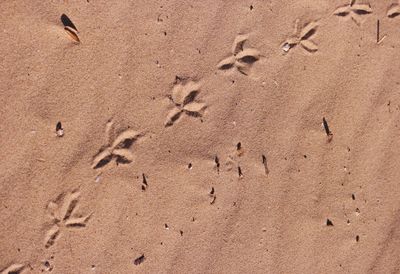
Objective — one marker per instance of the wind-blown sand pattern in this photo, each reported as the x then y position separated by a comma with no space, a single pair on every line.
200,136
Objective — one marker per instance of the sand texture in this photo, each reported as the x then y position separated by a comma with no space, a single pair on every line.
188,136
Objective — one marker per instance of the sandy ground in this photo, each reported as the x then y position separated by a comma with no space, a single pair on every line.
192,138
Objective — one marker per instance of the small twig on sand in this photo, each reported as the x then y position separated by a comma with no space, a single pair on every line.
378,35
377,31
327,130
264,160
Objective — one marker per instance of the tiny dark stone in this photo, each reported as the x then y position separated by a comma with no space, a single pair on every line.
329,222
139,260
144,179
212,191
240,172
58,126
357,238
217,162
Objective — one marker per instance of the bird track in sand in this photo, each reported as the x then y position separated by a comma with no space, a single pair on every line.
302,37
118,149
183,96
62,212
354,11
13,269
241,58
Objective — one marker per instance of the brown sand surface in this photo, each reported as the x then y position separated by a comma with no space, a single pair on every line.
193,139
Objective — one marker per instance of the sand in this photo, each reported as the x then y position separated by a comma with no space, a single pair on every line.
191,137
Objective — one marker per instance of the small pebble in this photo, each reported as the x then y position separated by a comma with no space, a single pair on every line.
286,47
59,130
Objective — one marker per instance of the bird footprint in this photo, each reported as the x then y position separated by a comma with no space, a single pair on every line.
118,149
394,10
302,37
184,98
241,58
354,11
63,214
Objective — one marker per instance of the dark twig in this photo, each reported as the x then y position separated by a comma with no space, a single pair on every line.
377,31
144,183
264,160
240,172
327,130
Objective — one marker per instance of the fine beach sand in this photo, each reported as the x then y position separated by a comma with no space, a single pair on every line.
192,136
